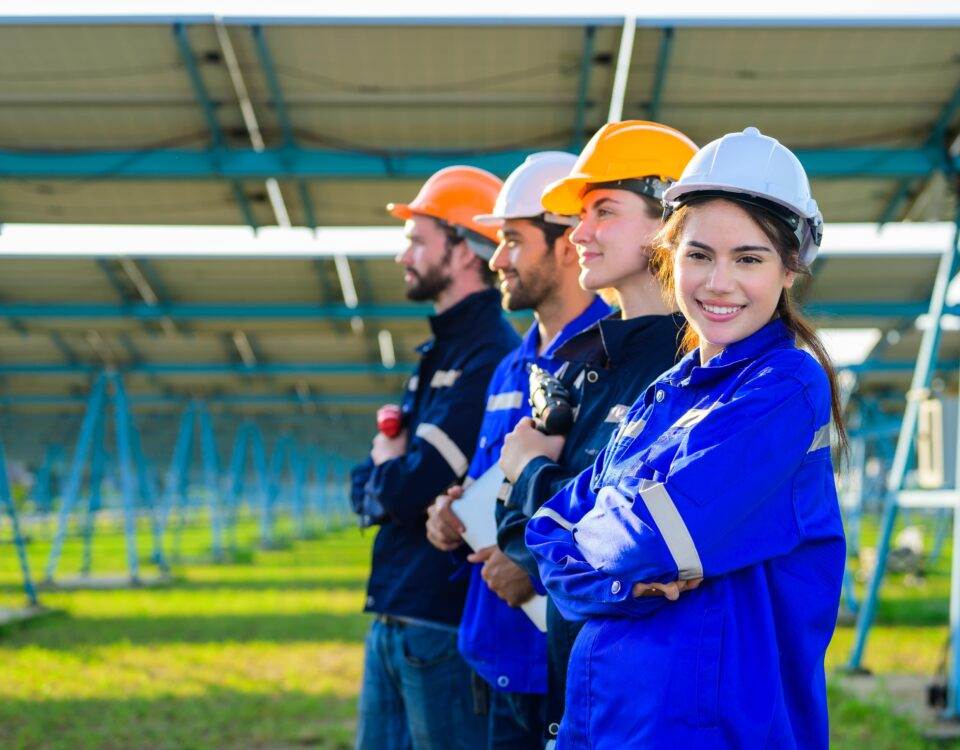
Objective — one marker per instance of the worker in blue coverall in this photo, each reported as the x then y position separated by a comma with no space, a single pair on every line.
615,188
416,690
537,267
721,472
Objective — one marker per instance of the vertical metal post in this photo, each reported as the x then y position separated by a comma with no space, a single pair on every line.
298,465
150,497
71,493
96,482
174,478
211,475
43,492
280,456
236,483
922,375
128,486
953,668
263,485
7,500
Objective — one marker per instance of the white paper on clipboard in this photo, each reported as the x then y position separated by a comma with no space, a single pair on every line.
477,510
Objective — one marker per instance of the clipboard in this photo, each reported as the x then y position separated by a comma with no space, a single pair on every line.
477,511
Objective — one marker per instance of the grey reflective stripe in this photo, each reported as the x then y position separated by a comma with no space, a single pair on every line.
617,413
414,382
692,417
562,371
821,438
672,528
467,482
559,520
444,446
579,381
508,400
631,429
444,378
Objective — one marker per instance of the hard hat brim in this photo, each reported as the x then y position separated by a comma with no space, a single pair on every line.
492,220
565,197
400,210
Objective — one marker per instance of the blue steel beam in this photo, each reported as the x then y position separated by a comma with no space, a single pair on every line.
299,162
660,76
283,116
583,88
933,141
210,115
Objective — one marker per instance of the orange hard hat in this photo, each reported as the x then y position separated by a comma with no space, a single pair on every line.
628,150
455,195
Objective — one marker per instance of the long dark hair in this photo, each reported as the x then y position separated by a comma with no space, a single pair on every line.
667,241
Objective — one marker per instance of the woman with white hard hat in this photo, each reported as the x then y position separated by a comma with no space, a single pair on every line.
721,471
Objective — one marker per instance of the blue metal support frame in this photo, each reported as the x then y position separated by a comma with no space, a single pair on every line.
660,75
7,500
922,376
308,163
71,492
210,115
43,489
583,89
211,478
934,140
176,473
236,480
263,483
94,503
278,458
151,498
128,484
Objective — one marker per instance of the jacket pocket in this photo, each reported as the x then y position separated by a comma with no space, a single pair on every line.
427,647
708,667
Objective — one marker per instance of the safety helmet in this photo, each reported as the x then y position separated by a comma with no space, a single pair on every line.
632,155
455,195
519,197
754,168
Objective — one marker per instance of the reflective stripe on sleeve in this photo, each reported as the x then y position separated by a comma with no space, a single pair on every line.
617,412
631,429
444,378
508,400
444,446
550,513
672,528
821,439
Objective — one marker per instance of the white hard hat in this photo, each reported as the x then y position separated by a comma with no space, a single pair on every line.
750,165
519,197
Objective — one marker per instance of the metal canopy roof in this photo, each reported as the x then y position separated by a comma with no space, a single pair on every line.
139,122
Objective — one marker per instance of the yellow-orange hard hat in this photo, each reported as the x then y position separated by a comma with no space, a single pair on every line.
628,150
455,195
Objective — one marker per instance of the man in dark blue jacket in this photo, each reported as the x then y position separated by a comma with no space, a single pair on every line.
417,688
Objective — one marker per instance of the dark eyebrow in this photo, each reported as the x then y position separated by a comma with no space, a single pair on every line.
604,201
737,249
510,233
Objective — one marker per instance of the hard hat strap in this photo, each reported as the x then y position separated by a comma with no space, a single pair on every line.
651,187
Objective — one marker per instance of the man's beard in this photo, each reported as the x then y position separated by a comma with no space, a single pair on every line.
529,294
428,285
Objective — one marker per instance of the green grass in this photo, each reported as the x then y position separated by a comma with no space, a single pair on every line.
267,652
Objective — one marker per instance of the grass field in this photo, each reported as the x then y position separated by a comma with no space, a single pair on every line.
266,653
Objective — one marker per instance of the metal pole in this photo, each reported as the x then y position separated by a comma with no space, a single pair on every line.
922,375
263,484
150,497
71,491
622,72
211,474
128,486
178,464
5,497
237,461
96,482
298,465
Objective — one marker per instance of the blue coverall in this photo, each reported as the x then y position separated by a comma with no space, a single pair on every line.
721,471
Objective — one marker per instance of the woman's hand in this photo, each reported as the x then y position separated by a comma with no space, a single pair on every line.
524,444
670,590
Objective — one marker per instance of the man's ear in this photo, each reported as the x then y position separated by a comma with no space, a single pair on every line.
565,251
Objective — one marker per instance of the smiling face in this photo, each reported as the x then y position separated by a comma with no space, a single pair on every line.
526,267
727,275
613,238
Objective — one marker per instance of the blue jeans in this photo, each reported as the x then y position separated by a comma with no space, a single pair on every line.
516,721
417,692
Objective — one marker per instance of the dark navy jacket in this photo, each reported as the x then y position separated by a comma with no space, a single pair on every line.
500,642
610,366
442,411
721,471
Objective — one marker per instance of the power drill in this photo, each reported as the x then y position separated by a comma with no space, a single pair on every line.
550,401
